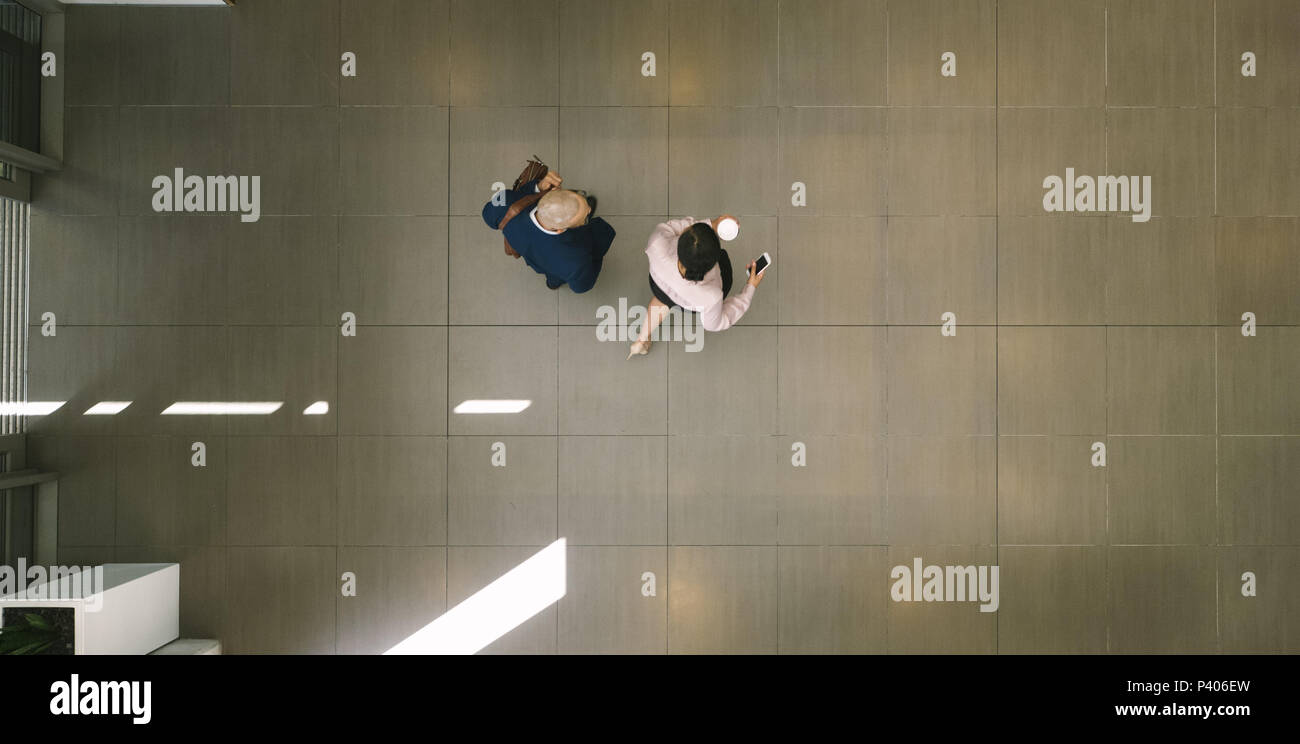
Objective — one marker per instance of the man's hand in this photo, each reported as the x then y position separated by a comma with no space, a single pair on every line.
754,279
511,252
550,181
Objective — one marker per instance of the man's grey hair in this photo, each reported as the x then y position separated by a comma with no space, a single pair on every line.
558,208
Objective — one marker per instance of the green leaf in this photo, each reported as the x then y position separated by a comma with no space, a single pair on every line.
12,642
29,650
33,635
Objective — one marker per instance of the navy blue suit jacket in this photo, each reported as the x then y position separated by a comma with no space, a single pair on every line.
574,256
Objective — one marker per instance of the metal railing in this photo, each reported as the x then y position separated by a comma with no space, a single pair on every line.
15,220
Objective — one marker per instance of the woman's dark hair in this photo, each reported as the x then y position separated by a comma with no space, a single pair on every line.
698,250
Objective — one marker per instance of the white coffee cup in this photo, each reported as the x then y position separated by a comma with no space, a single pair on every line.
728,228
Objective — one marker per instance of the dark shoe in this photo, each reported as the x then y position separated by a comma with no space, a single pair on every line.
553,286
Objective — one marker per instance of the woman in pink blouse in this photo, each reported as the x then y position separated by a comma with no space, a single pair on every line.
689,269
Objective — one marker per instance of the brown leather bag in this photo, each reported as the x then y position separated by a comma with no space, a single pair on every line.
533,170
519,206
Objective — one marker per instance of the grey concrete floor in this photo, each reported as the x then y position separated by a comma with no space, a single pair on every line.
924,196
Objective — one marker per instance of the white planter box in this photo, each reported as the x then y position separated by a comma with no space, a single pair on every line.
135,611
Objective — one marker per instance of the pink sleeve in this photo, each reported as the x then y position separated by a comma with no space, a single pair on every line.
726,313
663,235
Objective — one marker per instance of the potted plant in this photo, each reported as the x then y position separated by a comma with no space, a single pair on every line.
31,631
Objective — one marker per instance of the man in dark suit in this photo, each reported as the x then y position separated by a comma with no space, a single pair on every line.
553,231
